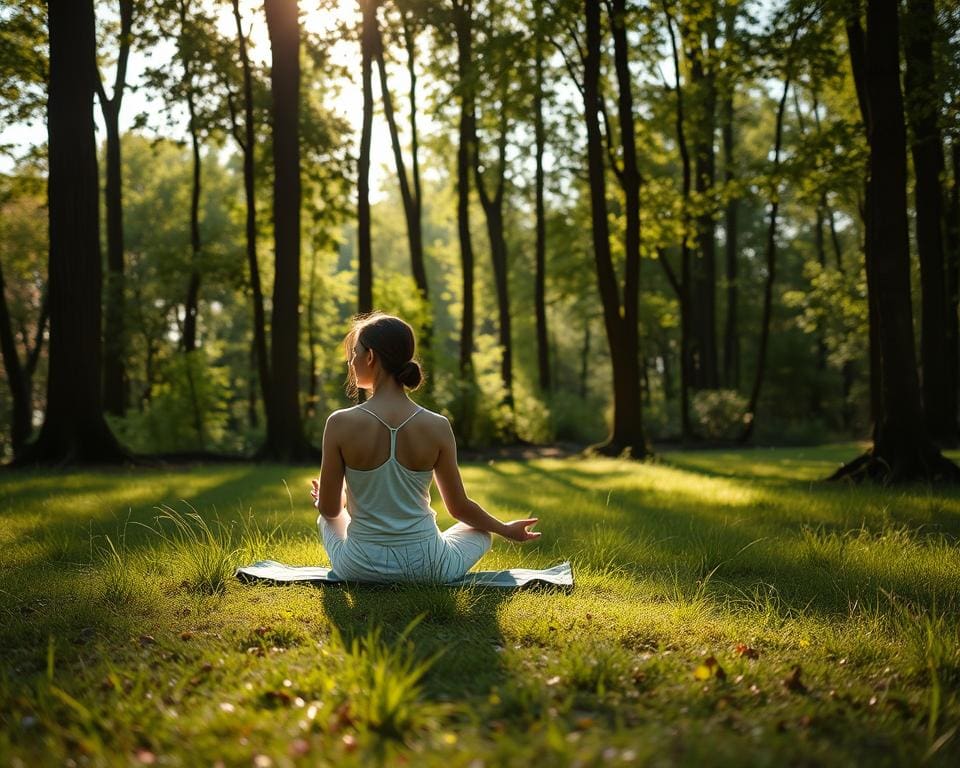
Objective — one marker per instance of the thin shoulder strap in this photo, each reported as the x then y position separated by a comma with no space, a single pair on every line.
367,410
393,430
419,408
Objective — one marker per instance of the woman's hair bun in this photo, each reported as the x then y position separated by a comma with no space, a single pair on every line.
410,374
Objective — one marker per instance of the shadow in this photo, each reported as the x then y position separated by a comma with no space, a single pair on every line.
459,629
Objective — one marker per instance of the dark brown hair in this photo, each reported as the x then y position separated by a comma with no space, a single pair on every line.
393,342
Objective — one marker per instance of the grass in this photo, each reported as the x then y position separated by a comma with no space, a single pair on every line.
729,610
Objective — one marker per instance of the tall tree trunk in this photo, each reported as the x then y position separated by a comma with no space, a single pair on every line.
493,210
368,37
682,286
313,377
856,42
539,288
731,334
952,353
704,272
463,28
246,142
627,432
750,419
188,341
410,197
114,331
21,418
816,394
285,439
585,360
902,449
74,429
922,101
630,182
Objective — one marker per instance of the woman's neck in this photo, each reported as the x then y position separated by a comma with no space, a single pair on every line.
387,390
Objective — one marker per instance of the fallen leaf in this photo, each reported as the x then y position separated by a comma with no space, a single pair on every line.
792,681
553,680
186,635
147,640
710,668
745,650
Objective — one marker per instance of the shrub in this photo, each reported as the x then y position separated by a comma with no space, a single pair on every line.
719,413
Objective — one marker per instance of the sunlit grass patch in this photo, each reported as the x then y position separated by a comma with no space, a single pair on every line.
831,612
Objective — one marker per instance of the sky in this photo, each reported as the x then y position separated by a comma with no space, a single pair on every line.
348,102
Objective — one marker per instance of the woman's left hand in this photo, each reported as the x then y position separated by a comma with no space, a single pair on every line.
516,530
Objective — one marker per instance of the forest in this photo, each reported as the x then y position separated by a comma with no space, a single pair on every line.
617,224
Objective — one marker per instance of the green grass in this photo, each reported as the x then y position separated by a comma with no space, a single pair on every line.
729,610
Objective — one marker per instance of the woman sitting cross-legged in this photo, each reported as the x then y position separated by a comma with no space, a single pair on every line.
379,459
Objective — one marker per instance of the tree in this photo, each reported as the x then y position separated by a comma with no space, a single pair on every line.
902,448
539,293
462,20
410,186
114,374
620,320
74,429
369,34
922,97
771,245
285,439
246,140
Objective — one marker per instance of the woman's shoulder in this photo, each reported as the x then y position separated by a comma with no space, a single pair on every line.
343,416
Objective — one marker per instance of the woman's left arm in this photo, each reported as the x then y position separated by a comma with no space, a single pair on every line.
330,491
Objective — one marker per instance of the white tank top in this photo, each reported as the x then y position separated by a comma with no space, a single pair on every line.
390,504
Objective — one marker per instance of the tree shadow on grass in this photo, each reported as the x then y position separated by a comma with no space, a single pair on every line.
713,538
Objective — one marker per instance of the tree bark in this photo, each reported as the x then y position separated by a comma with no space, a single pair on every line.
115,385
246,142
856,42
463,28
922,100
21,424
627,433
412,208
902,449
285,439
731,334
751,412
188,341
539,286
368,36
682,286
493,211
952,353
74,430
704,272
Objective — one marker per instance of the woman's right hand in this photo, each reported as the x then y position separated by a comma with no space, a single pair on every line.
516,530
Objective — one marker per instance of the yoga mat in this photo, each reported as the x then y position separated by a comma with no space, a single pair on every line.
271,572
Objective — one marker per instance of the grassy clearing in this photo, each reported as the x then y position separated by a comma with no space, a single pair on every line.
729,610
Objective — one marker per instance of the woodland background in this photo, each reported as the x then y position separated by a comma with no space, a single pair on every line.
611,223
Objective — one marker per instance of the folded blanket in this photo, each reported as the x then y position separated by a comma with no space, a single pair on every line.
272,572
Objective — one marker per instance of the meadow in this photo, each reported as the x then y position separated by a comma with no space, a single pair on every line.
730,609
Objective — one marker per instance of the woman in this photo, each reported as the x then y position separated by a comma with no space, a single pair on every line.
379,459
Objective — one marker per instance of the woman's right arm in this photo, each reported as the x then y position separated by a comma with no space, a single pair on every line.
330,493
465,509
